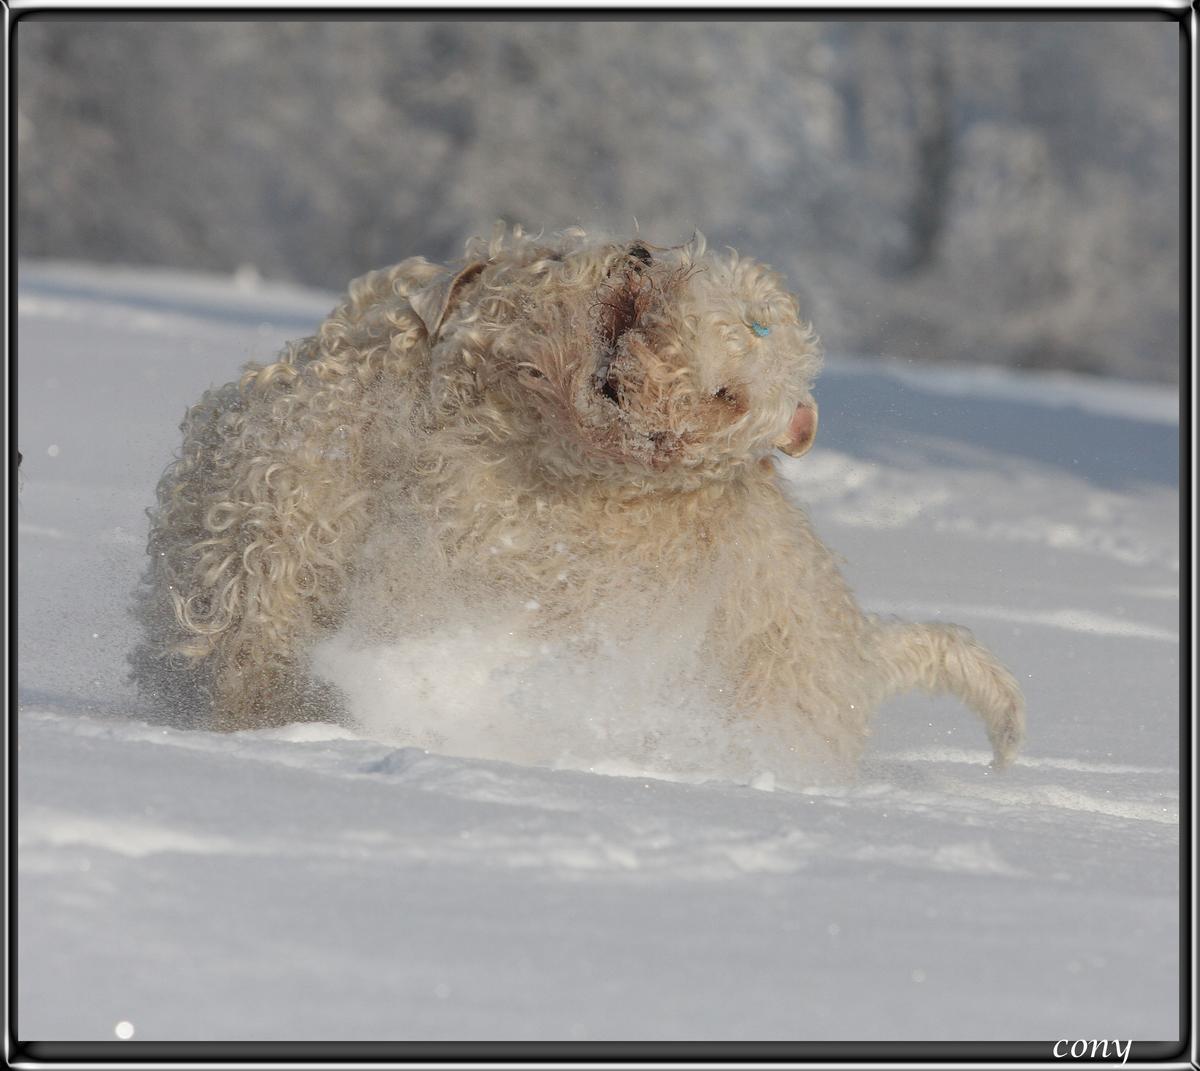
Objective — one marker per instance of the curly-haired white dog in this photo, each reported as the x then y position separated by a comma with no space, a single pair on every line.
570,424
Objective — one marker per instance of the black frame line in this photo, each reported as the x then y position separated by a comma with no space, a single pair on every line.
1182,1053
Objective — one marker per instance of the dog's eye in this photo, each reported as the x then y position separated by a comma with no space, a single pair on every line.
641,253
759,329
725,395
609,389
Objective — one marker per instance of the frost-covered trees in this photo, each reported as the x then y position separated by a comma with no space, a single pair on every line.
971,191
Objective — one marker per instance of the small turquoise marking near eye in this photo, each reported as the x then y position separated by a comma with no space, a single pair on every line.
759,330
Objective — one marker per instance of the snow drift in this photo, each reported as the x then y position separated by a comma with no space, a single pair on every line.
380,880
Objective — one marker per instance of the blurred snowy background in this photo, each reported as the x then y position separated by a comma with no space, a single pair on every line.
993,192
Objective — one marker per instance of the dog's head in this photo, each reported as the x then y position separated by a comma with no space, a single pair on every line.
623,359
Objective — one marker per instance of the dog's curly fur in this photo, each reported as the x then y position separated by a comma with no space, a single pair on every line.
558,421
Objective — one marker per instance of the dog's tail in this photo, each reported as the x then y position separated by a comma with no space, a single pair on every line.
946,658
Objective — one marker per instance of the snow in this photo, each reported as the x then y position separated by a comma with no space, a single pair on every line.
334,882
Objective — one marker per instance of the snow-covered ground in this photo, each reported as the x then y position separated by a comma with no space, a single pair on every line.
320,883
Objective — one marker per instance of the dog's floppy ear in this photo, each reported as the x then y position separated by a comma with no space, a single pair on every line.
432,302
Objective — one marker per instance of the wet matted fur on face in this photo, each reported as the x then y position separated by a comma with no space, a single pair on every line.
580,424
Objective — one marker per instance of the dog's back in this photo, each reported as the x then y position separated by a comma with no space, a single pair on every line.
257,518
